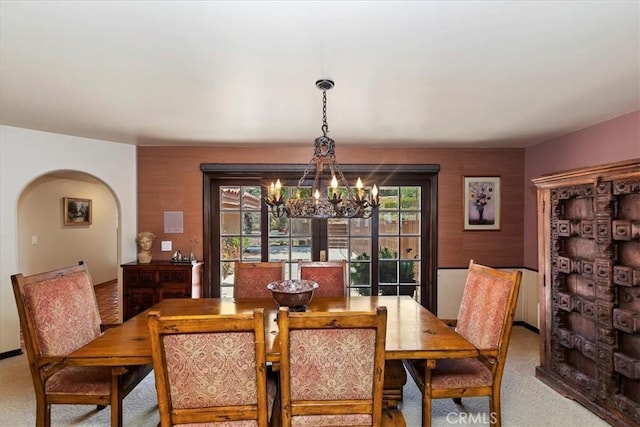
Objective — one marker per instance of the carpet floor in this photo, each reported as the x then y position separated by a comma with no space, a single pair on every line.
525,400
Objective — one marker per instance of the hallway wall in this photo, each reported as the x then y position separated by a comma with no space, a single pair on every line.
26,155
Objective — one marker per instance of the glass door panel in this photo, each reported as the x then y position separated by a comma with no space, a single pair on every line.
338,239
388,263
360,251
290,240
399,241
351,240
240,230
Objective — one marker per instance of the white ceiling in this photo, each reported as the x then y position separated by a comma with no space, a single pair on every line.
427,73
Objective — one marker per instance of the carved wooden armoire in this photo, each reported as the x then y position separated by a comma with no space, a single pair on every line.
589,261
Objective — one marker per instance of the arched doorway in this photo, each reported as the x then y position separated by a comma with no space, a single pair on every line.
46,243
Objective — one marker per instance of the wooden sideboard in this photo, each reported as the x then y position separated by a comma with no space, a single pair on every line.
145,285
589,260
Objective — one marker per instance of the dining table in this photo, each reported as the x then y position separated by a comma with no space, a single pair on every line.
413,332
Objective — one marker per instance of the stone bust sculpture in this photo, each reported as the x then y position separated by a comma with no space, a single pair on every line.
144,240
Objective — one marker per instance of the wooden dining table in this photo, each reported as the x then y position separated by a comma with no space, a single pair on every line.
413,332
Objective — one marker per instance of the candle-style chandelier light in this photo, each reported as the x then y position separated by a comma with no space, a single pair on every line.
337,201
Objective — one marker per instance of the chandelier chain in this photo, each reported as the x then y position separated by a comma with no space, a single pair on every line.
325,126
306,172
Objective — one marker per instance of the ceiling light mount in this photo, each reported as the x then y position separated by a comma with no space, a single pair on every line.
325,84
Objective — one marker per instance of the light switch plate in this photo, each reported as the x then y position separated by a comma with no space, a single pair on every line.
166,246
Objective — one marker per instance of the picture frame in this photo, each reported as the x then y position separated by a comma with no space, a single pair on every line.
481,202
77,211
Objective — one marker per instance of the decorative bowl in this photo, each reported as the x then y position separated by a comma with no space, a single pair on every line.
292,293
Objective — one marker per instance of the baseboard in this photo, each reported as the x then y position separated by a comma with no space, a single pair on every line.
527,326
12,353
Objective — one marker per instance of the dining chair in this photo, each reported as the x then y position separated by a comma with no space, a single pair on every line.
485,319
250,279
211,369
332,368
58,314
331,276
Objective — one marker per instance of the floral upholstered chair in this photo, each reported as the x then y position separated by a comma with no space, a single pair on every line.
332,368
250,279
485,319
59,314
211,369
331,276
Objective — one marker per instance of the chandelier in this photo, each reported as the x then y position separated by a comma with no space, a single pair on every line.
339,200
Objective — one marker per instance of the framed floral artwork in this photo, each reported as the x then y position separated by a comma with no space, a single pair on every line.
481,203
76,211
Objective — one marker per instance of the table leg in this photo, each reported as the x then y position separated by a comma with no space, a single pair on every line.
395,377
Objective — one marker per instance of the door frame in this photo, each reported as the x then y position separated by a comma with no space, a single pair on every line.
397,174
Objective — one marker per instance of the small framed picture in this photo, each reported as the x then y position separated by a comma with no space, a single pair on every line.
481,203
76,211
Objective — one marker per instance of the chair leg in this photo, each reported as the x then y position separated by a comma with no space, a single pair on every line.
47,416
276,418
43,412
495,418
426,393
116,398
116,413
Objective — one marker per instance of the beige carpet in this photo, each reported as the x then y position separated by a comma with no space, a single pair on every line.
525,400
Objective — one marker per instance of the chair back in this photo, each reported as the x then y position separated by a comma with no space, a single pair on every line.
58,312
210,368
332,367
488,307
250,279
331,276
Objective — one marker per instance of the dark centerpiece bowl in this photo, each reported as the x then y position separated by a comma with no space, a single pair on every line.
294,294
